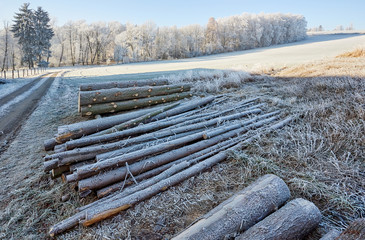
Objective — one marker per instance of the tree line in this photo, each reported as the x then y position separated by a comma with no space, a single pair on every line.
79,43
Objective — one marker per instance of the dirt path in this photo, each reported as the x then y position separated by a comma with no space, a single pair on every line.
12,121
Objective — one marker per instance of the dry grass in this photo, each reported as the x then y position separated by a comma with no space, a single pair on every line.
320,156
357,53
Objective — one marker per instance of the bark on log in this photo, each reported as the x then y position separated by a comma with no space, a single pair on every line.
241,211
184,107
123,84
291,222
355,231
331,235
131,104
118,174
122,94
77,130
96,139
197,156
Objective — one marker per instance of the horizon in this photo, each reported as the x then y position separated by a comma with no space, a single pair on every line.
329,14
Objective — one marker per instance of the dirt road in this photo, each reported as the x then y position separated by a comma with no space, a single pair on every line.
20,111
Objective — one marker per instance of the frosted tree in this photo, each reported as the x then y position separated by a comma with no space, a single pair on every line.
24,30
44,34
211,36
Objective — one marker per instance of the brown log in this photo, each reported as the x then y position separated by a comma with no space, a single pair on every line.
291,222
49,165
118,174
57,172
241,211
123,84
123,94
131,104
355,231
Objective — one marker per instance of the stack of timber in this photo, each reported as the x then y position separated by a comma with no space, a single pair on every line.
113,97
128,158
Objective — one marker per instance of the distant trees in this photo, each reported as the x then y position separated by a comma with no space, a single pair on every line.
34,34
79,43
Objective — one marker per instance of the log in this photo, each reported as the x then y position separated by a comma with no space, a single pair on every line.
77,130
355,231
122,94
57,172
123,84
118,174
185,107
293,221
131,104
331,235
241,211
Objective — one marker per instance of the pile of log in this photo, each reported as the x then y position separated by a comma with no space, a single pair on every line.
128,158
110,97
253,213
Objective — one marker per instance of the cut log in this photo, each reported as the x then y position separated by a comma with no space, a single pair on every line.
57,172
122,94
123,84
131,104
241,211
331,235
355,231
293,221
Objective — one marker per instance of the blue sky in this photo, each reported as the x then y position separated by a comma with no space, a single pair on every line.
169,12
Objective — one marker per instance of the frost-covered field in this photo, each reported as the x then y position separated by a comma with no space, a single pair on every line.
314,48
320,156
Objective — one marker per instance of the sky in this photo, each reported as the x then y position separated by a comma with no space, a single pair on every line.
328,13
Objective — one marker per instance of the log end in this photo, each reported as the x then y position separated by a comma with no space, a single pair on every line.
49,144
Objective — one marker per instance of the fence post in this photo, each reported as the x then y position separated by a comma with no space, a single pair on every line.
27,72
5,74
23,72
18,73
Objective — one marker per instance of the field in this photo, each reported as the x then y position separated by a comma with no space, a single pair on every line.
320,156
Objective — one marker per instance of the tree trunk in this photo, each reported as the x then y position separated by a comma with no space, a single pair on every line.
355,231
130,104
122,94
123,84
293,221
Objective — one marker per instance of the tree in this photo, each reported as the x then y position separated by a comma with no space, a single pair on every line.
34,34
24,30
44,34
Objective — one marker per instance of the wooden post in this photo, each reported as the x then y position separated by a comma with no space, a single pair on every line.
23,72
5,74
18,73
12,73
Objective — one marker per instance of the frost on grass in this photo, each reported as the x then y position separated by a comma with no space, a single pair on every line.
211,81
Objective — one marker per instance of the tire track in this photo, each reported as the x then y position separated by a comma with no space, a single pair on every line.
11,122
